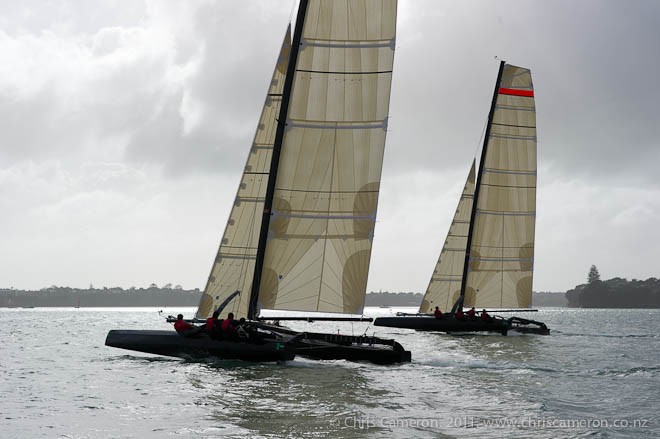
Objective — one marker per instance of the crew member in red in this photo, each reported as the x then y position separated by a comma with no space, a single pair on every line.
484,316
437,313
471,314
459,315
184,328
211,326
228,324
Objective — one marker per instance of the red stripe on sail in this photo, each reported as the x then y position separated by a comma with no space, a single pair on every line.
516,92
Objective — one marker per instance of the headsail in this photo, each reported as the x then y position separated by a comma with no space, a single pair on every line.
320,232
445,285
501,253
233,268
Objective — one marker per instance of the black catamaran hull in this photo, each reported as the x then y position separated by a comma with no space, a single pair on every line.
449,324
315,346
171,344
316,350
323,346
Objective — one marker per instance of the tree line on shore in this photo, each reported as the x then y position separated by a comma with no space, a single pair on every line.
167,295
93,297
164,296
615,292
612,293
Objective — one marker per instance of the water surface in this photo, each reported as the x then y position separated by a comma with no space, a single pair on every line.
596,375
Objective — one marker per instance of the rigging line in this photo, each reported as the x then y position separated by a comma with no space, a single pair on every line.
335,72
293,8
367,328
513,126
502,273
327,223
481,139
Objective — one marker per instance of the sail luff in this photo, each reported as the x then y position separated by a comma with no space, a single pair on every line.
253,310
445,285
232,269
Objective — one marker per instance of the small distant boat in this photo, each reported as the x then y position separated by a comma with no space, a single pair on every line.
487,260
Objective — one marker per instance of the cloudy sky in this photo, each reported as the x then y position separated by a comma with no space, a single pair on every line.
124,126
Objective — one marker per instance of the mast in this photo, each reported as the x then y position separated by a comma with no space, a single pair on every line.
277,147
477,187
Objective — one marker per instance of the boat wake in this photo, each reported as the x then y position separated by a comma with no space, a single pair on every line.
141,359
472,363
582,334
633,371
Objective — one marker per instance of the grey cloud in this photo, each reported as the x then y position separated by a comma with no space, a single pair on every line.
595,66
69,16
229,87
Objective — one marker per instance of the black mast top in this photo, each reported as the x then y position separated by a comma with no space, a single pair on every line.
275,160
459,302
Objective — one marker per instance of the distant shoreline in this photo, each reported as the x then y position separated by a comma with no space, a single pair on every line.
65,297
616,293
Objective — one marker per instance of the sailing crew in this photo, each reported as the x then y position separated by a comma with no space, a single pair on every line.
459,315
437,313
471,314
228,325
212,324
484,316
184,328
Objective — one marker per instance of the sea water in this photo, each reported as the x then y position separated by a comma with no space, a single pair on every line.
596,375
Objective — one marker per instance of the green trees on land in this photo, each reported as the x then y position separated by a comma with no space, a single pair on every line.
594,275
615,293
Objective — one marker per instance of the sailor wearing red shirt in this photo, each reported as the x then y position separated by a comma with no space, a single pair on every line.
184,328
228,324
211,326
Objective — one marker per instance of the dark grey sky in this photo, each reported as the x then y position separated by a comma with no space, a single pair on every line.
124,127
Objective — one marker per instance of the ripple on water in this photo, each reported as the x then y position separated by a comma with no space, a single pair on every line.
67,383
